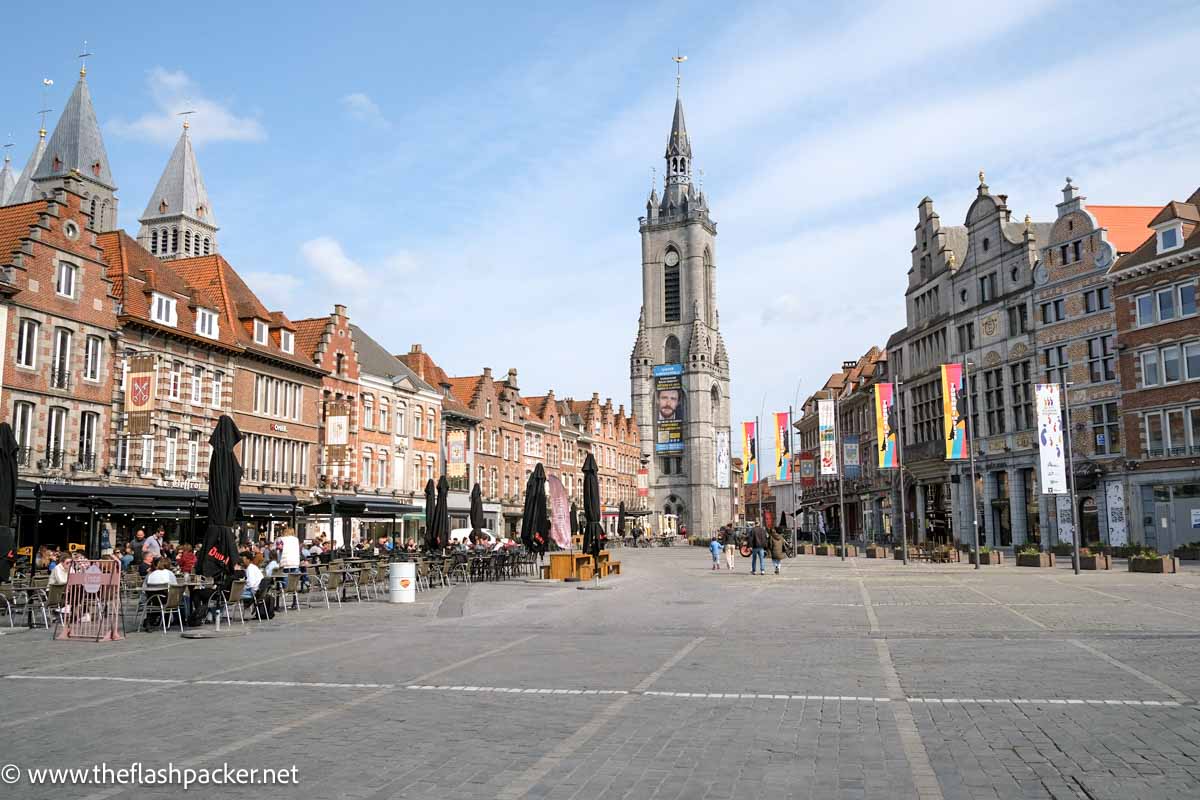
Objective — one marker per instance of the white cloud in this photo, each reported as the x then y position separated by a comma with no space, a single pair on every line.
175,92
361,107
277,290
346,280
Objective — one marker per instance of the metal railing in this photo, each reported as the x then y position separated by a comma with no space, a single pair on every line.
60,378
55,458
87,462
23,456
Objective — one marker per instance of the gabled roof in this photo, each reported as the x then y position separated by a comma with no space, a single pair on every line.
1126,224
181,189
15,222
1147,251
373,358
308,335
135,273
465,389
76,142
1177,210
537,404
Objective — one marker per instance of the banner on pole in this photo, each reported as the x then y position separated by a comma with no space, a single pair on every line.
1114,499
808,472
560,512
139,393
724,466
783,446
1051,452
825,435
954,411
337,430
886,425
850,455
456,451
749,453
1066,522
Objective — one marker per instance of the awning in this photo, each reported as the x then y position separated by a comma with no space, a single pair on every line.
73,498
364,506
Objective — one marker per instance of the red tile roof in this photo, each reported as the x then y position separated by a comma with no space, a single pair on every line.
14,226
464,389
308,335
1127,225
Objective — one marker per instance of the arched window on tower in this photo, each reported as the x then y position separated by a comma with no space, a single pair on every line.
174,240
207,245
154,242
671,350
187,242
92,211
716,403
671,294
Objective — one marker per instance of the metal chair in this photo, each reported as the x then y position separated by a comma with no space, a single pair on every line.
168,603
290,587
326,581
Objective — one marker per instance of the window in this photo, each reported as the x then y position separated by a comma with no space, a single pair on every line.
1077,250
1150,368
218,384
207,245
1097,299
89,423
172,456
987,288
206,323
197,385
122,464
1166,304
1063,253
1163,305
1054,359
154,242
993,399
92,356
1106,436
176,380
174,240
260,334
1018,319
1171,366
495,441
1054,311
400,415
488,409
418,418
1022,396
23,429
368,404
1145,310
27,337
366,467
383,469
671,298
1169,238
1101,359
1187,299
147,453
162,310
431,431
1191,360
60,371
287,342
56,436
64,282
187,241
193,456
383,414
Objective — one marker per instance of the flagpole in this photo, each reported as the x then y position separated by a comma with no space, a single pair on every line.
899,432
971,452
841,457
1071,475
758,478
792,475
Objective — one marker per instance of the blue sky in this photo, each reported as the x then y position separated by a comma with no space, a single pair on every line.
471,179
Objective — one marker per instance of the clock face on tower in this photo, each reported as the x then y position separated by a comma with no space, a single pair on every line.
672,258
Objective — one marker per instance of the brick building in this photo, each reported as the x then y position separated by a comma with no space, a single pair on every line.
328,343
500,433
1076,334
1158,330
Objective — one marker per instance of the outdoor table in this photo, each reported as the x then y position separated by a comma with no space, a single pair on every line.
569,565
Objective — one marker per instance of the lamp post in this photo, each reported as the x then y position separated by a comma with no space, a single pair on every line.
841,472
1071,476
898,430
971,454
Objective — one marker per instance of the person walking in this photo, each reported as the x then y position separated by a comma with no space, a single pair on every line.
714,547
776,545
758,547
730,539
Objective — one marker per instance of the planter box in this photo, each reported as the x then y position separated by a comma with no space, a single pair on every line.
1035,559
851,551
947,556
875,551
826,550
806,550
1161,565
992,558
1097,561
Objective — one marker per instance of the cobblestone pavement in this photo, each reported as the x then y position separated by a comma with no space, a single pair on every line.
856,679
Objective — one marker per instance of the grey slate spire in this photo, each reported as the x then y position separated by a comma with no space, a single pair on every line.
8,181
178,220
678,143
76,146
23,192
679,163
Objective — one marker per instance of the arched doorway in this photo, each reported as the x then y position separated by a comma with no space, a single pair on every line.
1089,521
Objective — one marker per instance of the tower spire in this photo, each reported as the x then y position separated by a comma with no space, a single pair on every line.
178,221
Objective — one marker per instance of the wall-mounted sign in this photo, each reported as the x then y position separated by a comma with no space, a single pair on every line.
670,411
139,393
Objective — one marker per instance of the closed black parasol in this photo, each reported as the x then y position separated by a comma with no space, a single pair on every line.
593,533
574,519
440,536
535,519
476,510
621,519
430,503
224,503
8,498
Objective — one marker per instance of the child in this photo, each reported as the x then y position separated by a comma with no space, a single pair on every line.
714,547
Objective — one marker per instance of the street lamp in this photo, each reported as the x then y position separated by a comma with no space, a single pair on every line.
971,453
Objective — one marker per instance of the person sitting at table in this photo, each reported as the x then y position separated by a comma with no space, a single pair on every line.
62,568
126,557
147,564
186,558
272,564
161,575
254,576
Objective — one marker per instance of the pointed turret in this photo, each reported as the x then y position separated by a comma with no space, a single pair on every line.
23,192
178,220
678,143
8,181
76,146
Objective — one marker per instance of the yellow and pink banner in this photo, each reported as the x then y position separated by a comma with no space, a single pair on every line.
954,411
886,425
749,453
783,446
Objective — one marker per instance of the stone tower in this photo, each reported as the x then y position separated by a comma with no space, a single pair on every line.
178,221
77,147
679,345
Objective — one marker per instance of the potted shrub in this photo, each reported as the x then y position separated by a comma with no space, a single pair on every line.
1095,556
990,557
1064,549
1031,556
851,551
1148,560
875,551
945,555
826,550
1189,551
806,549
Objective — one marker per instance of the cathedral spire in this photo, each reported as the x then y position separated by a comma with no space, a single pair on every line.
8,181
23,192
178,220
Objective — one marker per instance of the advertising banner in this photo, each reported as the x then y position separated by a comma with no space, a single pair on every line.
139,393
670,410
825,435
560,512
1051,452
850,455
783,446
808,472
954,411
749,453
644,482
337,429
1114,498
886,425
724,465
1066,524
456,454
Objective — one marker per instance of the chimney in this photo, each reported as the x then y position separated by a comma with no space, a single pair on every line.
487,372
339,310
596,396
416,348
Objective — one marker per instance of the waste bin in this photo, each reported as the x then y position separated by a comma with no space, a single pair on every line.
402,582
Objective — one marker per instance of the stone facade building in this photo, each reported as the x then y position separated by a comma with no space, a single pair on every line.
679,338
328,343
1158,330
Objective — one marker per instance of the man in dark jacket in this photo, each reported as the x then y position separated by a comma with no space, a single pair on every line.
758,547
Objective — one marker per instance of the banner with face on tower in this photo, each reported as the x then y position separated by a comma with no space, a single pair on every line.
885,427
749,453
670,412
783,447
954,411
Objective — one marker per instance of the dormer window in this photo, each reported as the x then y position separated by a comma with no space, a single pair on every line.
1170,238
260,332
206,323
287,342
162,310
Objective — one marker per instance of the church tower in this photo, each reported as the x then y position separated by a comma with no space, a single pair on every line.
178,221
77,147
679,370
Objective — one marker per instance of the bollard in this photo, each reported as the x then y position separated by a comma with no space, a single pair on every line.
402,582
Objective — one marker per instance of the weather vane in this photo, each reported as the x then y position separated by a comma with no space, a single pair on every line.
46,84
185,115
83,60
678,59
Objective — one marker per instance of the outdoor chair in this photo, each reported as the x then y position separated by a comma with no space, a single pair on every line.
364,581
48,600
262,600
423,575
325,582
168,604
9,598
290,588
